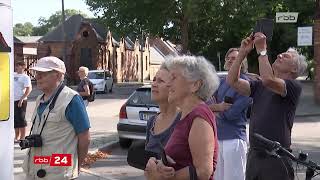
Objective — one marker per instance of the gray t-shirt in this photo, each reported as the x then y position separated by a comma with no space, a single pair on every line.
152,140
272,115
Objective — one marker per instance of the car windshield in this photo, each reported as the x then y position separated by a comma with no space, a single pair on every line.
96,75
141,97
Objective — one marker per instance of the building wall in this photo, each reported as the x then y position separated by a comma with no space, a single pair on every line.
90,42
52,49
18,52
153,70
125,64
138,60
146,61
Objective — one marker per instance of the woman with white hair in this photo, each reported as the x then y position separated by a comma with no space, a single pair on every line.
192,147
83,87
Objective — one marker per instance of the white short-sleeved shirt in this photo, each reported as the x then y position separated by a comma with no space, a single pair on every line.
21,81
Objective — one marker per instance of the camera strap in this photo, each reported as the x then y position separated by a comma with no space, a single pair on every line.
51,106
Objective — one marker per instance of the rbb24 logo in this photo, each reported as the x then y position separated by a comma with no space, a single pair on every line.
53,160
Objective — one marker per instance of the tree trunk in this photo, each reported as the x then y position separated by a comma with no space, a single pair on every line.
317,52
184,34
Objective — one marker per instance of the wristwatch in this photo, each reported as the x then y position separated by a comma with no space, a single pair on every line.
263,53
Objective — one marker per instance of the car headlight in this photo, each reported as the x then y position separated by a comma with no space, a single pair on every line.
100,83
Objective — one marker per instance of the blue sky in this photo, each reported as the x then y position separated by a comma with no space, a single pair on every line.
32,10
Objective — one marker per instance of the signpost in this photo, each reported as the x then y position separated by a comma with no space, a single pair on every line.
304,36
286,17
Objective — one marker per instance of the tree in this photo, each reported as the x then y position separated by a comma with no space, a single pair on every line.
169,18
204,27
25,29
46,25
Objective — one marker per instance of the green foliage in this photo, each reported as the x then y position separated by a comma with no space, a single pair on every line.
25,29
45,25
212,25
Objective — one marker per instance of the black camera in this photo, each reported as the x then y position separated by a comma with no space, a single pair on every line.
34,140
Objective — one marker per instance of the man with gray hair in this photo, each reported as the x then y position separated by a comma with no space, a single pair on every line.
60,126
275,99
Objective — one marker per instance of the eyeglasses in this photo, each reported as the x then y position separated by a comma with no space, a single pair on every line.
230,58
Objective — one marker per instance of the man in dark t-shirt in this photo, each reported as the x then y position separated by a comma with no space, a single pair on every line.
275,98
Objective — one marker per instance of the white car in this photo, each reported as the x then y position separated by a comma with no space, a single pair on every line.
102,80
134,114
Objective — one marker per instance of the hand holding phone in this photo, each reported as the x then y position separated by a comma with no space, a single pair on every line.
264,26
228,99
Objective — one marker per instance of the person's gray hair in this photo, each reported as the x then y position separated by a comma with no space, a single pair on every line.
84,69
300,61
196,68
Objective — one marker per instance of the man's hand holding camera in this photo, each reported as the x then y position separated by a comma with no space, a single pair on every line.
260,42
246,46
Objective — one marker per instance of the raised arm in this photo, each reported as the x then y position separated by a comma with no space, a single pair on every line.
233,78
268,78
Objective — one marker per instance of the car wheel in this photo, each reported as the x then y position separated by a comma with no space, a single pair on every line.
105,90
125,143
110,90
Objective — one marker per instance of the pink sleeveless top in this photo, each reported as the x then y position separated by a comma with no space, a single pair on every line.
178,146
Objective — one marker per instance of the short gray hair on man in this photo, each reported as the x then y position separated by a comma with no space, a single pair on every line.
300,61
197,68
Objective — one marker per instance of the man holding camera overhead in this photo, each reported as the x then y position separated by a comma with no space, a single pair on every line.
231,109
275,98
60,125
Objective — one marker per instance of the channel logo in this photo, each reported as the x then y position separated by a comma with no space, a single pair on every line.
54,160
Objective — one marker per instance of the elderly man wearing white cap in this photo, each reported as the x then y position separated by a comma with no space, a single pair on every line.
60,125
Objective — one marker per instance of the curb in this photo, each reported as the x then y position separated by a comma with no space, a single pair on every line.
86,171
106,147
307,115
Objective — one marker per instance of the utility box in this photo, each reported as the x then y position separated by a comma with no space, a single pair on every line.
4,80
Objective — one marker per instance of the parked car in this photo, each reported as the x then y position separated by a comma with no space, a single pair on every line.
102,80
134,114
137,110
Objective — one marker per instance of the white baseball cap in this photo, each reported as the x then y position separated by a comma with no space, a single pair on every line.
50,63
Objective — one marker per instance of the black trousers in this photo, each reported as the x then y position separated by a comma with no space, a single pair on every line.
261,166
20,114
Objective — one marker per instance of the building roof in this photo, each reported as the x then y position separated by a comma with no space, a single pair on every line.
3,45
159,49
72,26
129,43
17,40
29,39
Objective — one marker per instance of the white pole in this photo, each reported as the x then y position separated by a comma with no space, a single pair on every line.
218,54
6,127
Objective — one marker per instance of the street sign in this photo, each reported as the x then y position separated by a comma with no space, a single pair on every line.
304,36
4,80
286,17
